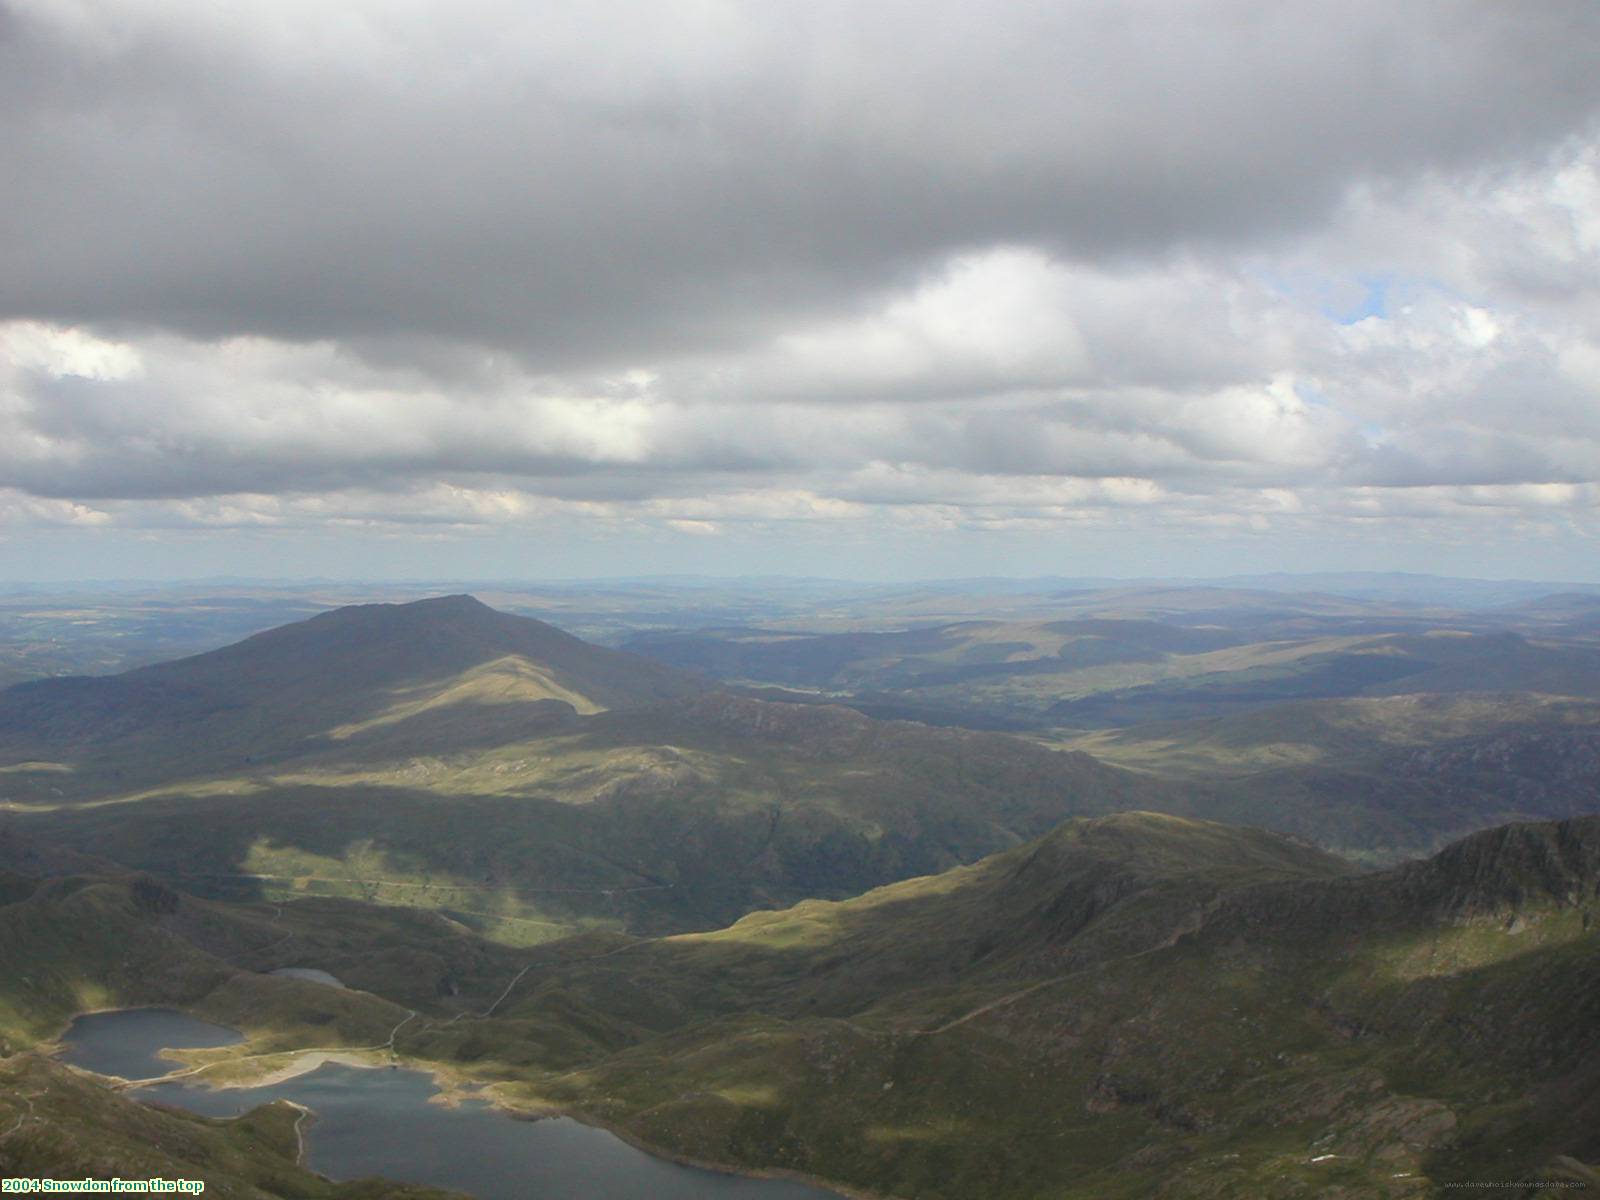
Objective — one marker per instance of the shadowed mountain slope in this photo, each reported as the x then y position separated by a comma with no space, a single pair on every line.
423,754
681,816
1132,1006
1369,776
444,755
296,688
1129,1006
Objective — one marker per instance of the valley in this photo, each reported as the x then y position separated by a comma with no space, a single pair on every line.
1299,912
800,601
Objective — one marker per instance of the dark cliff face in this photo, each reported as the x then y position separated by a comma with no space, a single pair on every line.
1552,862
1535,769
1493,874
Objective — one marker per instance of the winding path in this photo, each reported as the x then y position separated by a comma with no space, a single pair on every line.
299,1133
386,1045
24,1118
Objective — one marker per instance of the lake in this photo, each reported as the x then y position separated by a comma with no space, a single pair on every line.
129,1042
378,1121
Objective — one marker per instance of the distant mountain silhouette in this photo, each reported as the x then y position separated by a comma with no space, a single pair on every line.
340,671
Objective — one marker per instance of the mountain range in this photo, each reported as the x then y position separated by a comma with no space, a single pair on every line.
907,959
445,754
1131,1005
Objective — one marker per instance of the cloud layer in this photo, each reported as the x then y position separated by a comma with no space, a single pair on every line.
703,266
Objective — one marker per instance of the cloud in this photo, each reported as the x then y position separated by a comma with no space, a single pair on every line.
612,183
712,268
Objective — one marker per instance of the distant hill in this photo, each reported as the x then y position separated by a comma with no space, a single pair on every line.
1170,657
1347,732
445,756
1368,775
295,688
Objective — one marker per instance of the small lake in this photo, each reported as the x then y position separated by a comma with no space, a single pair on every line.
378,1121
129,1042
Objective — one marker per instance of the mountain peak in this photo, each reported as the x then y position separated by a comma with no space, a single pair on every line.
1510,865
460,602
287,689
431,608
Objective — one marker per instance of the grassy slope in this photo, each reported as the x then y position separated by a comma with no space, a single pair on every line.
79,943
655,820
1373,776
1343,732
76,944
432,754
1106,671
304,687
424,755
1138,1029
1131,1005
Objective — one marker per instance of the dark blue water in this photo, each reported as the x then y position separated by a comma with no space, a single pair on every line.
129,1042
377,1121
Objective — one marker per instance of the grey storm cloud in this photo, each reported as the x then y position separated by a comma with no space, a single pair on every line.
1212,265
589,183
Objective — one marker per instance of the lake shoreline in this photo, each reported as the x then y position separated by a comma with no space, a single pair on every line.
623,1134
453,1086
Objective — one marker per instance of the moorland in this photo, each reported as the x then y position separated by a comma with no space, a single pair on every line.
1060,889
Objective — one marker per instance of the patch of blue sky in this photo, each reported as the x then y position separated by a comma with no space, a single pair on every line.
1342,299
1310,393
1374,433
1375,303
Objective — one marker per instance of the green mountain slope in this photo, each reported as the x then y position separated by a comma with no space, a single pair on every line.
79,943
1128,1006
1371,776
301,687
421,755
1111,671
657,820
1344,732
1131,1007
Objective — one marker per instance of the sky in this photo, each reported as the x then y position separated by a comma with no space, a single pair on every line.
407,288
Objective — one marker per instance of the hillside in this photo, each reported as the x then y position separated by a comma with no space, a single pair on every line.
396,668
1130,1005
444,756
1121,669
681,816
300,762
1371,775
1341,732
86,942
1134,1006
1378,731
80,943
